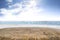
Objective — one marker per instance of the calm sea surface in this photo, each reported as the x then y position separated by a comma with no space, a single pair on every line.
32,22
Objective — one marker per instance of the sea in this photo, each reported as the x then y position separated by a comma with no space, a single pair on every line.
44,24
31,22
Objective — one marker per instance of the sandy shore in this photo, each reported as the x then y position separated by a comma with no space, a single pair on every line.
47,26
29,34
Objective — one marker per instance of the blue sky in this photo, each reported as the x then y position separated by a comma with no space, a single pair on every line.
30,10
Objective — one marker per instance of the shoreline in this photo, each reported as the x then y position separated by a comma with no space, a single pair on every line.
42,26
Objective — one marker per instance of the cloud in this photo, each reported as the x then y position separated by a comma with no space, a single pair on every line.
19,13
26,11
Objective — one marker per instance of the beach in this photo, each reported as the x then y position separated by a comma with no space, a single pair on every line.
22,25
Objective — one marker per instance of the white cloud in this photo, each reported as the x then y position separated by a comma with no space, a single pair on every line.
9,0
29,13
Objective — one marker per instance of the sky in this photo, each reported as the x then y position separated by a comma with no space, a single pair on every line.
29,10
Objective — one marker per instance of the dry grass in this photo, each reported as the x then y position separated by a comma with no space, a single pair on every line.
29,34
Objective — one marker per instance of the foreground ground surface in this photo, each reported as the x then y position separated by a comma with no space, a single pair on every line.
29,34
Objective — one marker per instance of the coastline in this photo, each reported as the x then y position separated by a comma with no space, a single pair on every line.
25,25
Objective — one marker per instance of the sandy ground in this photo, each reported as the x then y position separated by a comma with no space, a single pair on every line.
29,34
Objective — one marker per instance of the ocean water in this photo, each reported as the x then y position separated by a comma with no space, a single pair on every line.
31,22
